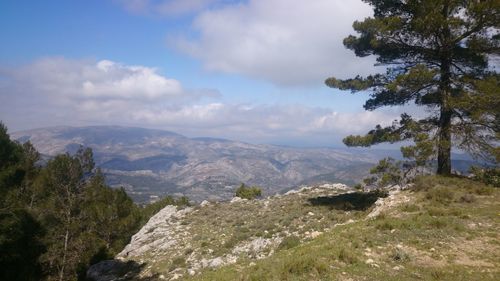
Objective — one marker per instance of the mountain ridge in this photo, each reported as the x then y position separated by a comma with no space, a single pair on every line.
152,163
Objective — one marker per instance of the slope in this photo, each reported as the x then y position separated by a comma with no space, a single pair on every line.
440,229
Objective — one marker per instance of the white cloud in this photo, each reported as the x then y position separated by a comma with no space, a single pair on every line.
286,42
117,80
264,123
68,79
55,91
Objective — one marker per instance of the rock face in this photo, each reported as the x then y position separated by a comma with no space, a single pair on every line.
181,242
157,235
154,163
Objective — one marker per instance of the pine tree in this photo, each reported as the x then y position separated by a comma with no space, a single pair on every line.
61,185
20,233
439,54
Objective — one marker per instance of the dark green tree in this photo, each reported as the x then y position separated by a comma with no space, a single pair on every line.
20,233
11,172
59,218
20,246
109,214
439,54
61,186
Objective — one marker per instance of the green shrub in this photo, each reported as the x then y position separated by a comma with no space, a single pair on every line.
488,176
399,255
347,256
289,242
249,193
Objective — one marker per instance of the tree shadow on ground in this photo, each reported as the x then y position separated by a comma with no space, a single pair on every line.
118,270
356,201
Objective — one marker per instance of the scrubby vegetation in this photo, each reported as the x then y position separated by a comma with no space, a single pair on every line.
434,235
487,175
247,192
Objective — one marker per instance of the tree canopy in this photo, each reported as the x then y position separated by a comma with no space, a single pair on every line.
439,54
58,218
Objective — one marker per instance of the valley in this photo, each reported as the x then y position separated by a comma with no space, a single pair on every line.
152,163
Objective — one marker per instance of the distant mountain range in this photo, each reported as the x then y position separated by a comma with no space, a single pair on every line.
153,163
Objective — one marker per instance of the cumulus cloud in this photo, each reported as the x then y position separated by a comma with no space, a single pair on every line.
286,42
57,91
65,89
70,79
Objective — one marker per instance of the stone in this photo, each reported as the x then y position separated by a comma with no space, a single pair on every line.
176,276
237,199
217,262
313,234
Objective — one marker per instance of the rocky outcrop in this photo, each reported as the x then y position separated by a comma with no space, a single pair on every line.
159,233
176,243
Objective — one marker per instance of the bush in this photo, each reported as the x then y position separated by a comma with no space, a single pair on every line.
289,242
347,256
249,193
400,256
487,176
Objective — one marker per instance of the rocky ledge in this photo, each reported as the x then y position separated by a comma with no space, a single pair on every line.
176,243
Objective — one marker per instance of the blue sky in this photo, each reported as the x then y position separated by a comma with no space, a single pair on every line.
248,70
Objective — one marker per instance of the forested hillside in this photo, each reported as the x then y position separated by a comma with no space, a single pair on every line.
57,219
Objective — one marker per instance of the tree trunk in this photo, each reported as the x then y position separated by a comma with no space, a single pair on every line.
444,144
444,137
61,272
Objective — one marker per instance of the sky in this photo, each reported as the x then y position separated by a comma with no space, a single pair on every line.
246,70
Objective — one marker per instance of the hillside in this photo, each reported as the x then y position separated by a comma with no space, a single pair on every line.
151,163
438,229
